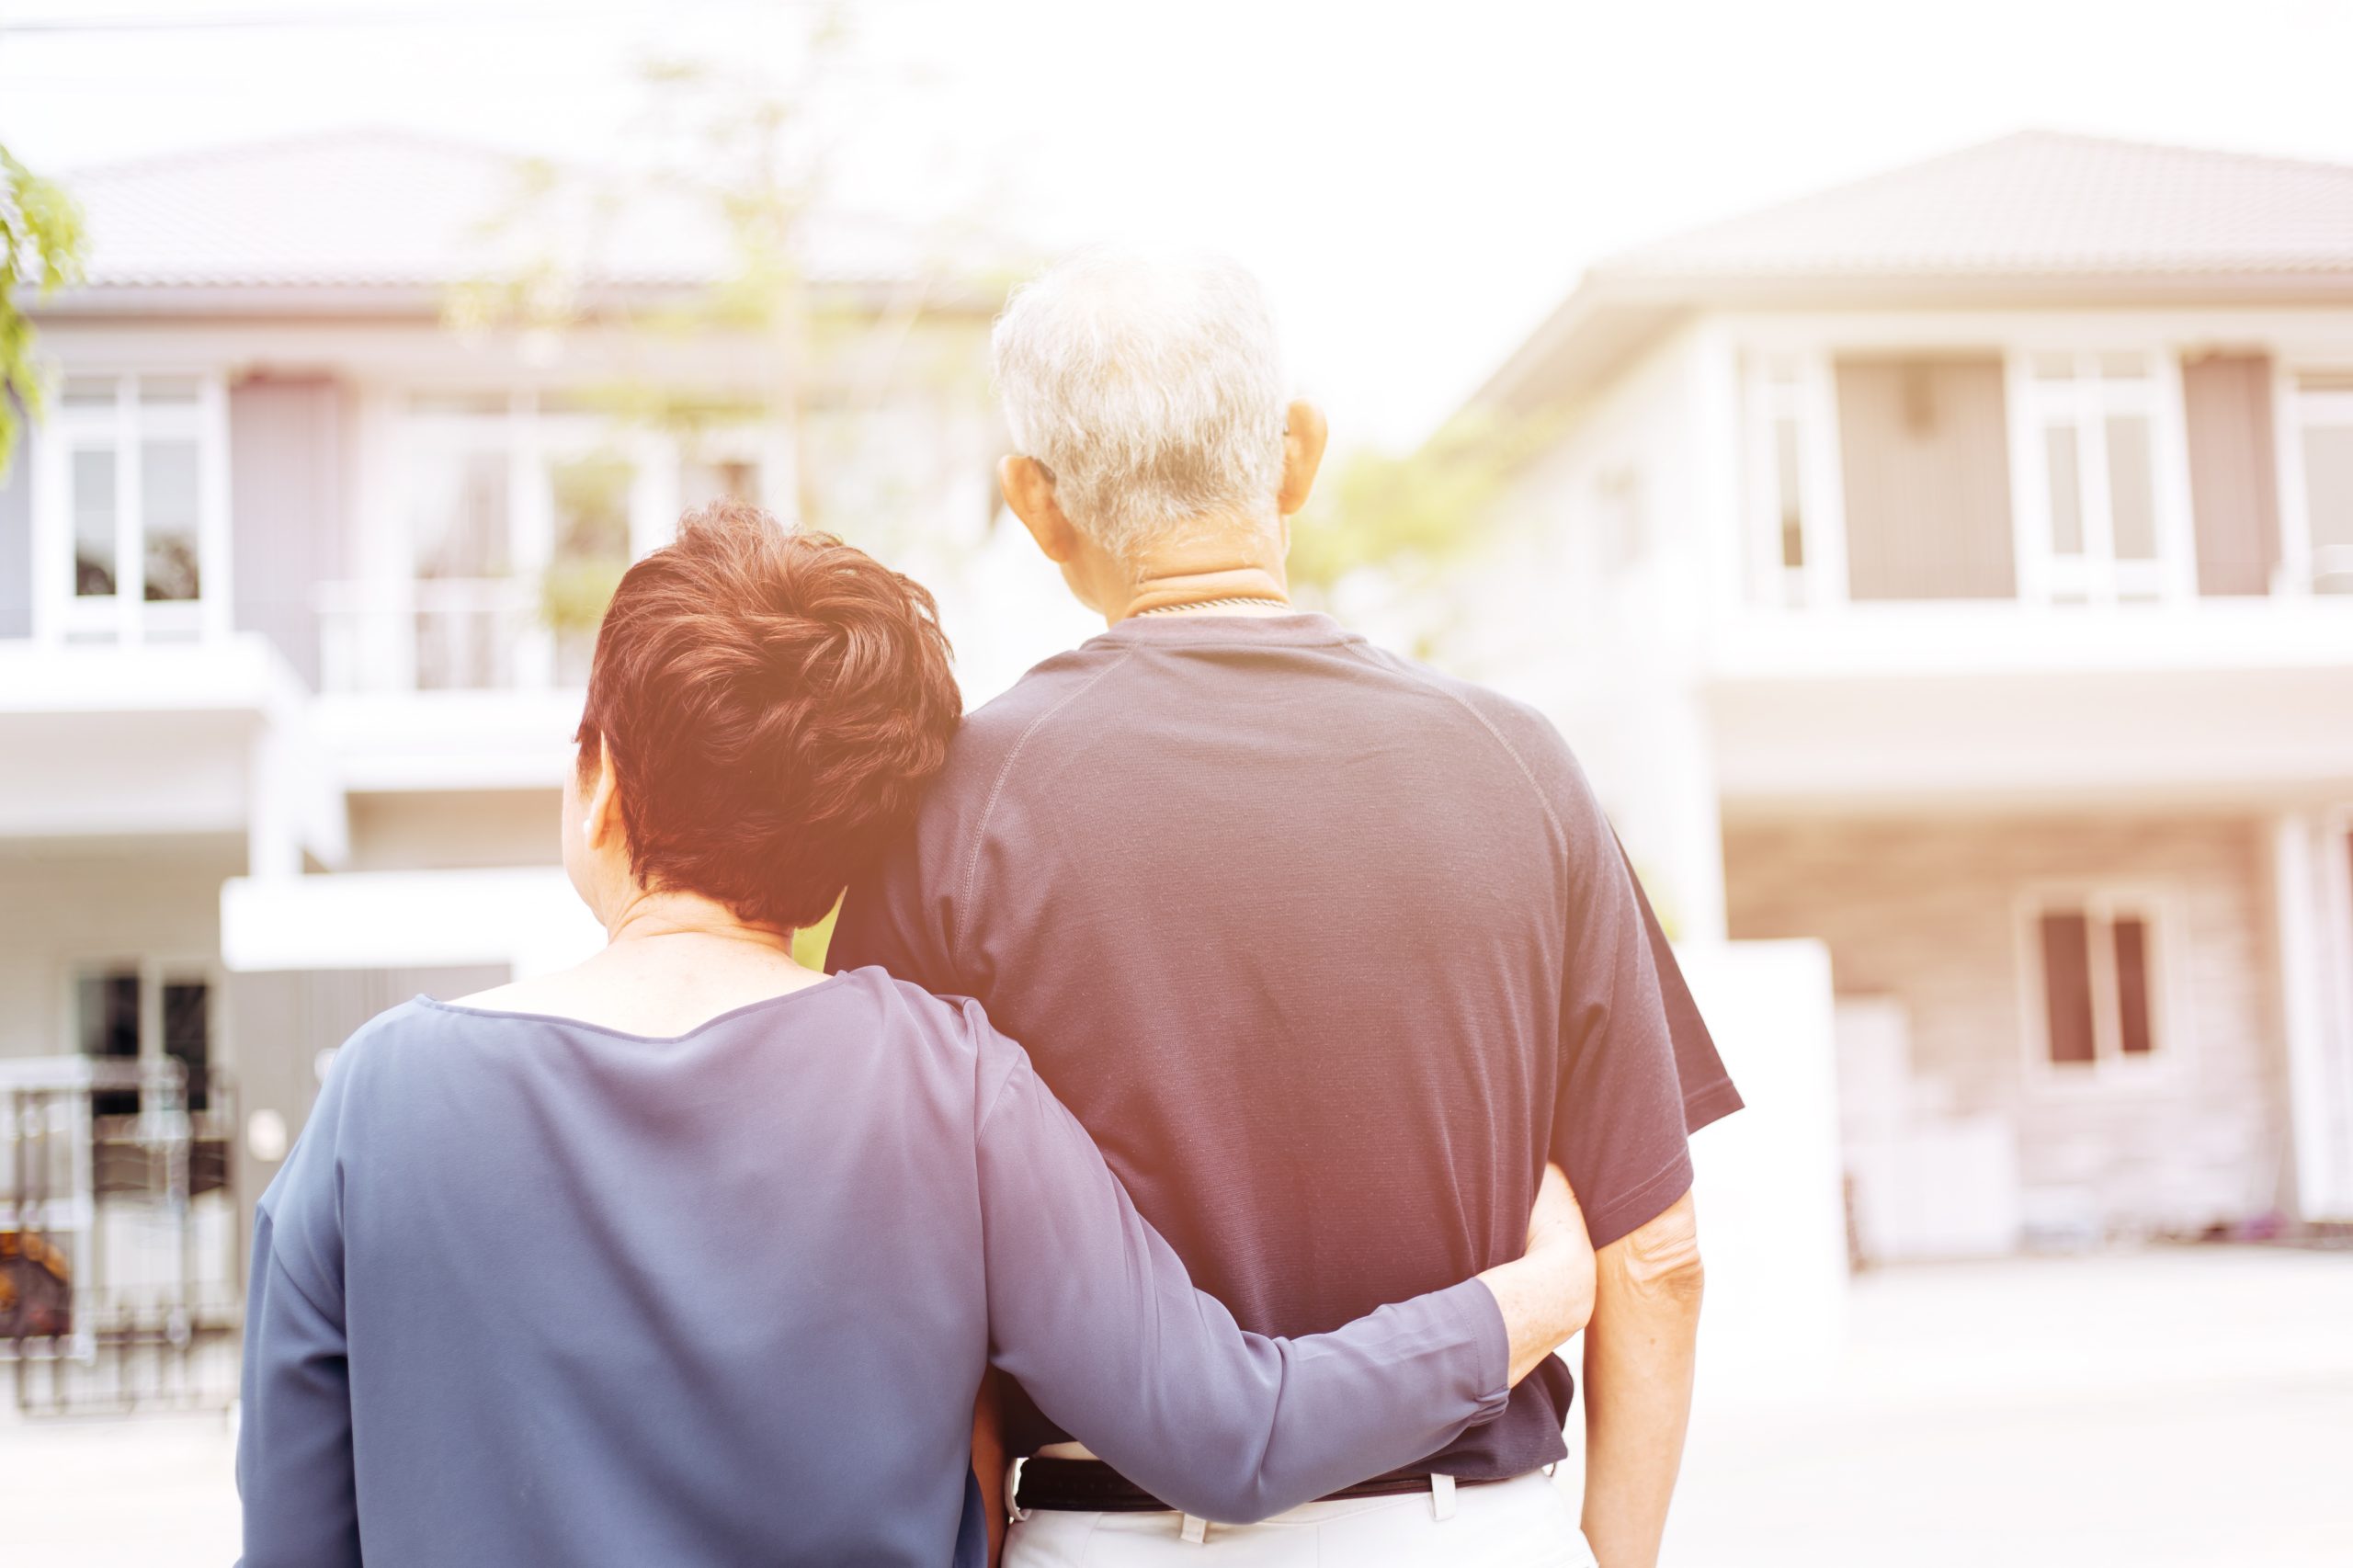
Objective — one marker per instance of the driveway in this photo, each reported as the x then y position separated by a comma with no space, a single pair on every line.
2174,1407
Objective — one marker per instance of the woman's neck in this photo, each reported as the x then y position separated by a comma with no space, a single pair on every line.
672,916
671,963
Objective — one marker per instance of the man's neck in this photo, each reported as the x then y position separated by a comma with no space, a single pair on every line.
1202,579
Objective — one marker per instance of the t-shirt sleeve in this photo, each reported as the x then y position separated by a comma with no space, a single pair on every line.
1638,1070
1707,1092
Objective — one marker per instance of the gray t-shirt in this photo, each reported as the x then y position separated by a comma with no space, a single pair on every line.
533,1292
1330,953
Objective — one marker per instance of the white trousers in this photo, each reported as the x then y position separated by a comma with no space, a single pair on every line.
1525,1523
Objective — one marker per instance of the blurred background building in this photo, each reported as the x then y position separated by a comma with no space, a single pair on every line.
1957,567
1947,578
348,440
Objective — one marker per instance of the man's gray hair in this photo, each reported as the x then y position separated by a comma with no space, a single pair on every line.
1151,387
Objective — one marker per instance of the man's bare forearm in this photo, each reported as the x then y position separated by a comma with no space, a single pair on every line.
1639,1358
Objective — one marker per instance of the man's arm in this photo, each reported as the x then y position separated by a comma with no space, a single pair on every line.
1639,1354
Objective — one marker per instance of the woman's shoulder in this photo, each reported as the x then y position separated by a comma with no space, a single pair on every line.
956,1027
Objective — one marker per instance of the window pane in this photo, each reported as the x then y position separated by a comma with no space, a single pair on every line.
107,1022
2133,984
591,509
700,484
591,552
1785,468
461,521
168,512
89,391
2131,495
2328,500
2066,490
93,505
165,392
2067,987
2055,367
2123,367
188,1033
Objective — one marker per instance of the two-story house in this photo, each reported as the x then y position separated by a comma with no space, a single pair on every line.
298,574
1957,567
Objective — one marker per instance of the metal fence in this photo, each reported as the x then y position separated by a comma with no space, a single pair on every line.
121,1251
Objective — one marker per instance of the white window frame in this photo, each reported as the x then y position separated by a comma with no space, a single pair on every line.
2300,408
59,613
2101,903
1802,388
155,972
370,645
2083,403
2337,924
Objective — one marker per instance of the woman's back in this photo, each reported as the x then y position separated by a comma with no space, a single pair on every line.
613,1299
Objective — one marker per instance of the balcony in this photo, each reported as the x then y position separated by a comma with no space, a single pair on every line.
446,683
207,736
2211,700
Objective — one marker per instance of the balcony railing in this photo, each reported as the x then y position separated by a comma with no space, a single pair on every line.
441,634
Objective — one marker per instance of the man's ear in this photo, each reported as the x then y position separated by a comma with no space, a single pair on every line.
1304,433
1029,491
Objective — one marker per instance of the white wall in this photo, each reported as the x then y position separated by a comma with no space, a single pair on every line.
1593,603
525,917
68,903
1772,1220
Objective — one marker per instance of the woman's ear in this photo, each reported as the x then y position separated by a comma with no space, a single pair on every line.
600,818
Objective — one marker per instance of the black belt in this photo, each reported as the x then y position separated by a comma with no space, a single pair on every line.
1090,1486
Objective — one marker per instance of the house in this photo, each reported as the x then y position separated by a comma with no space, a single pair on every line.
1957,567
286,679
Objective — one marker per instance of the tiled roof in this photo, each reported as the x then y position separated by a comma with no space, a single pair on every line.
393,210
2038,204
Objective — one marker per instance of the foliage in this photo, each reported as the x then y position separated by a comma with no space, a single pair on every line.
574,594
42,246
1406,515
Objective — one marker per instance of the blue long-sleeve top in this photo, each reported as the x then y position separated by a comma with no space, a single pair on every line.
532,1290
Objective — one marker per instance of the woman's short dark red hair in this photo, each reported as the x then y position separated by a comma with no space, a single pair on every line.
772,704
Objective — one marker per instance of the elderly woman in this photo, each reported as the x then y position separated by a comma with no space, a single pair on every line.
690,1255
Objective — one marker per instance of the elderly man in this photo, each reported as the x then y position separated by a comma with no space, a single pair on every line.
1330,953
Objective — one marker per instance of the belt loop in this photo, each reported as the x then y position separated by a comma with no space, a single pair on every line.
1196,1529
1013,1508
1441,1497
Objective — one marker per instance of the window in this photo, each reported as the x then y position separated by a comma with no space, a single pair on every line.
2094,419
106,1024
2095,961
131,1012
1924,471
1778,503
592,551
2323,413
523,508
701,482
136,455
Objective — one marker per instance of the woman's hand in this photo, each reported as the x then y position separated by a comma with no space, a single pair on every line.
1546,1296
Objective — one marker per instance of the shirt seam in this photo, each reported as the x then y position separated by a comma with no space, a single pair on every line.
1678,1168
1711,1102
1527,773
988,809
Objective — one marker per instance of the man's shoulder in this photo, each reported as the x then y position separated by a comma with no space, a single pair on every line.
992,732
1519,726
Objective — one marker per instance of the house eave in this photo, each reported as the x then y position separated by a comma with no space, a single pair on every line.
1612,316
426,301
